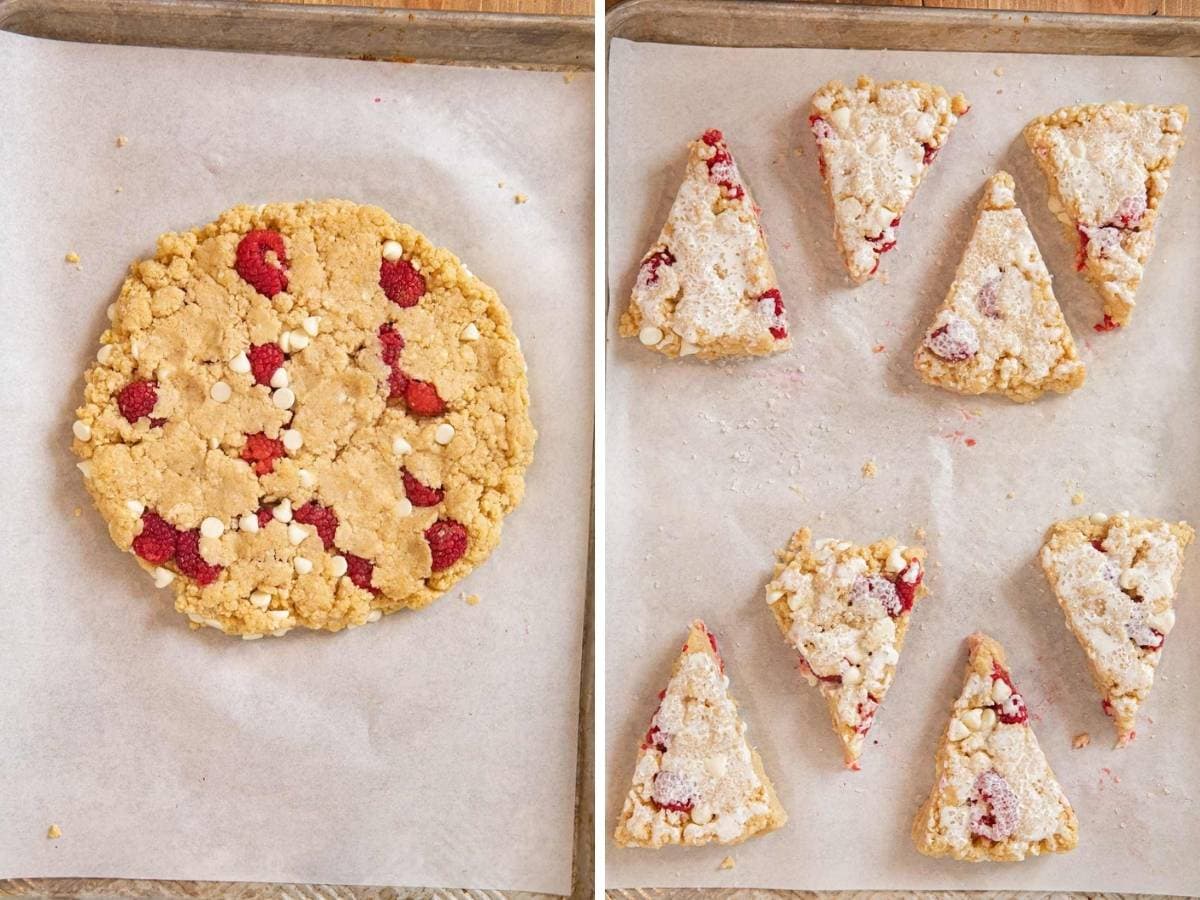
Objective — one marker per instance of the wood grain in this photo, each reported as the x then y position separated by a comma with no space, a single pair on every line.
549,7
1115,7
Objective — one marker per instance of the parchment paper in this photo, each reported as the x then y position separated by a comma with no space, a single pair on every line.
710,468
433,748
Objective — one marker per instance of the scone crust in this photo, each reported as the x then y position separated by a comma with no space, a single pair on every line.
739,791
874,143
1003,301
809,596
1109,210
706,287
933,839
185,321
1156,547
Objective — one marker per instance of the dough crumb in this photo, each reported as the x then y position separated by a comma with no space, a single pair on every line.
53,832
500,184
878,348
999,70
727,863
78,511
1077,498
869,469
1011,495
1081,740
471,599
122,140
568,76
919,533
519,199
72,257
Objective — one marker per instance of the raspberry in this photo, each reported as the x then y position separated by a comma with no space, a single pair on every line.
156,543
137,399
712,137
1129,212
779,332
876,588
397,384
1013,710
821,129
189,560
422,398
265,516
261,452
393,343
264,360
988,299
1107,325
403,284
420,495
954,341
866,714
648,273
656,739
1081,254
252,263
906,590
930,153
712,640
807,670
995,809
323,518
447,541
360,571
673,791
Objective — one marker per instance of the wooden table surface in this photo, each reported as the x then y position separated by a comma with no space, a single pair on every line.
586,7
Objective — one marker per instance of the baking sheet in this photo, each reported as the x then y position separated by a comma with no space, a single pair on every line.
710,468
395,754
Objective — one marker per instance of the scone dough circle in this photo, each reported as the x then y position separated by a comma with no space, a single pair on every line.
304,415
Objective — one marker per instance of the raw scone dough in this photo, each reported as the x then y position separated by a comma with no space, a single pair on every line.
305,415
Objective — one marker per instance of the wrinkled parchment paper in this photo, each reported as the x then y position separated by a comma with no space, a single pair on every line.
433,748
710,468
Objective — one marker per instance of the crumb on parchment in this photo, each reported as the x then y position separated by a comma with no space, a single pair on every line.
471,599
122,140
72,257
569,76
78,511
1081,740
519,199
869,469
1077,498
727,863
53,832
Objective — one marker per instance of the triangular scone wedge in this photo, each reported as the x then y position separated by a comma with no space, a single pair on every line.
994,796
1115,578
1000,330
697,780
845,608
707,286
874,144
1107,167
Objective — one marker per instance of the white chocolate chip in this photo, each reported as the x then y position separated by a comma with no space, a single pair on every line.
1000,690
392,251
307,478
851,675
279,615
198,619
213,623
210,550
251,637
299,340
912,573
702,815
338,566
896,561
650,336
249,523
261,599
212,527
280,632
1099,518
374,615
404,508
285,342
470,333
111,312
957,730
981,761
303,565
297,534
400,446
136,507
716,766
82,431
311,325
686,349
987,719
104,354
221,392
214,442
293,440
283,398
444,433
162,577
973,719
240,364
774,597
840,118
280,378
283,511
85,467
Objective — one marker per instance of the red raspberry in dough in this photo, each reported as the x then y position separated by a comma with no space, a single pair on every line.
393,343
255,266
420,495
447,541
261,452
995,809
189,560
137,399
360,571
323,518
156,543
1013,710
673,791
265,516
906,590
402,283
422,398
264,360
